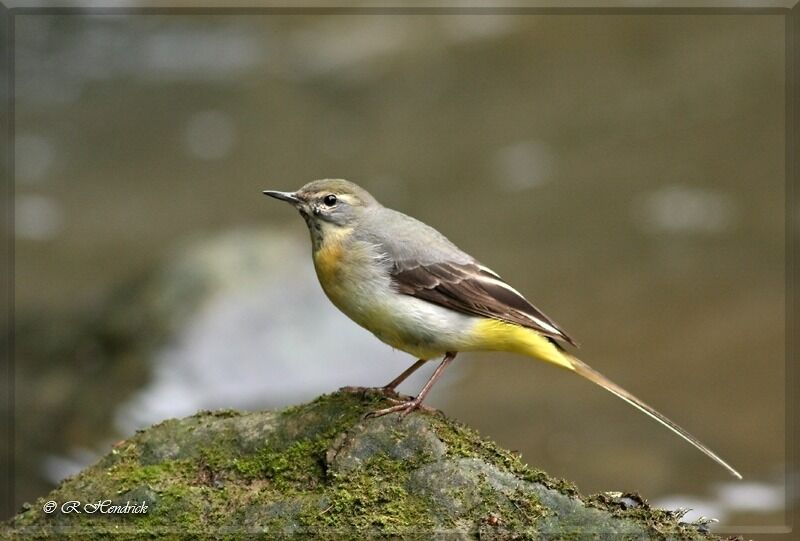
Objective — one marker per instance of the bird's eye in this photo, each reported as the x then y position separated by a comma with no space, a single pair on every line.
330,200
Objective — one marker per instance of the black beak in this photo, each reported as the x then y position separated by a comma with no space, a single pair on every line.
289,197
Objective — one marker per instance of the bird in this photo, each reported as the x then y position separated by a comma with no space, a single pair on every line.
415,290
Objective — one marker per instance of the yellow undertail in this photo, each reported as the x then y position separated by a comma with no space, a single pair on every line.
501,336
492,334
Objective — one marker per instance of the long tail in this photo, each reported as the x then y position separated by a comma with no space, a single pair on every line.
589,373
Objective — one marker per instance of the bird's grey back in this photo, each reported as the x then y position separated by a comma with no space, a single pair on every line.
406,240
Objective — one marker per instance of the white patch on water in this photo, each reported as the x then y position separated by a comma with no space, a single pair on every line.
728,499
681,209
56,468
268,347
751,497
37,217
523,165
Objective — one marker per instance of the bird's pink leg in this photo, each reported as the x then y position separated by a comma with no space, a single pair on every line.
407,407
392,385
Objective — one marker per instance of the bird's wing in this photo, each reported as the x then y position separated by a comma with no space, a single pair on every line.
423,263
472,289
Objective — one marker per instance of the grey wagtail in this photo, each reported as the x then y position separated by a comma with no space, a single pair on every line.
415,290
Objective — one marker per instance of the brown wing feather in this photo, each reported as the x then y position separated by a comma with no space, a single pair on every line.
472,289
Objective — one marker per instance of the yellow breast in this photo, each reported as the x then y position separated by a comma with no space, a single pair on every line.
334,263
352,277
327,261
355,279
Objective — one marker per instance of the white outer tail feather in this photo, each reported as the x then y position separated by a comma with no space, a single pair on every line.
594,376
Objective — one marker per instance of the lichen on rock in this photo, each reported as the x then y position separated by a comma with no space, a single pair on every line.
323,469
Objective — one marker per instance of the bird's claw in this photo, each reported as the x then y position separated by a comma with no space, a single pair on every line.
404,407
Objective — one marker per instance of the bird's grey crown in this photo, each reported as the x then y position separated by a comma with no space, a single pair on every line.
338,186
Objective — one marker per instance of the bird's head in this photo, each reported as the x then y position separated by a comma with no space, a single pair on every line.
328,202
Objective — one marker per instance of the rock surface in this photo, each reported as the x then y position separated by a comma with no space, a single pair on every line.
323,469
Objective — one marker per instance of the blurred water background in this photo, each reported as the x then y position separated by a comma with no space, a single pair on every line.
626,172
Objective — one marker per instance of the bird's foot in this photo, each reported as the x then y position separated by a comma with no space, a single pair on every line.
404,407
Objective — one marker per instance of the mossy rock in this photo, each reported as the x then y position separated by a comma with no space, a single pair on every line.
322,469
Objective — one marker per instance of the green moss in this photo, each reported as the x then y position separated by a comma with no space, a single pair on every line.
463,441
517,512
298,466
129,474
374,497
